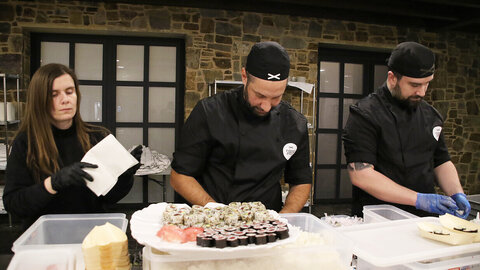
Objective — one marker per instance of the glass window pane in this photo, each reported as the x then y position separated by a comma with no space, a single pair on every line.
345,185
129,104
380,76
346,109
325,184
54,52
328,113
88,61
162,140
129,137
130,63
161,104
91,104
136,193
329,77
327,149
353,79
162,64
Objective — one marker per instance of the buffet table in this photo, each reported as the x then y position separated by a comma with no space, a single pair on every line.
388,240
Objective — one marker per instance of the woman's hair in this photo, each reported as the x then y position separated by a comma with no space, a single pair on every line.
42,154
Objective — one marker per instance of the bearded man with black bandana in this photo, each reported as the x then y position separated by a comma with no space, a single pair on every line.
236,145
395,146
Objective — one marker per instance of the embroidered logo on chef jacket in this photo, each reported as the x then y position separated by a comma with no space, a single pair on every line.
289,149
436,132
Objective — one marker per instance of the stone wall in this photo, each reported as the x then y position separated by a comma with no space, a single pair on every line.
217,42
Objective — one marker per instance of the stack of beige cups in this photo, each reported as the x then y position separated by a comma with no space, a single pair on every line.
106,248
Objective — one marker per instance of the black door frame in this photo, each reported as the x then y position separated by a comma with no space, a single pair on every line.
343,54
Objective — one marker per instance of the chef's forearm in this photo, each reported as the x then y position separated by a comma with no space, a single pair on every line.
296,198
447,178
380,186
189,189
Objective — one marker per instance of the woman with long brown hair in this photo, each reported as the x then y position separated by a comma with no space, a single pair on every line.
44,174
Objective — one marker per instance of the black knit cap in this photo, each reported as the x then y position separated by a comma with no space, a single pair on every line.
268,61
412,60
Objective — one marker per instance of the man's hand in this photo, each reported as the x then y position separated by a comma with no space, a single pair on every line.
72,175
463,205
435,203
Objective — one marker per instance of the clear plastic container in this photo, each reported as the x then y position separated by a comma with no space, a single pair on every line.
384,212
41,259
463,262
335,253
475,204
398,245
65,230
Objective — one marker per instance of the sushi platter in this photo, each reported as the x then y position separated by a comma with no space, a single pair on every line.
157,226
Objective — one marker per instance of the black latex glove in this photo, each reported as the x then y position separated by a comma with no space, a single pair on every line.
137,154
72,175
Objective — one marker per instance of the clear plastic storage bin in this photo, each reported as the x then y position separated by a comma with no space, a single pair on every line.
64,230
475,204
335,253
41,259
463,262
384,212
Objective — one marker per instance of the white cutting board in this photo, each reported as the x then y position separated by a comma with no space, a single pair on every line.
399,242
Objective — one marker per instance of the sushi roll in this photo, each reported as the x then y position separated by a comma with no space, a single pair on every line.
231,219
220,241
262,216
235,204
243,240
271,237
177,218
189,220
197,208
282,232
247,216
232,241
251,238
244,227
260,239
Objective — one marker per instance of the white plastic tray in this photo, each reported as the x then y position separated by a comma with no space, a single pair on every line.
399,242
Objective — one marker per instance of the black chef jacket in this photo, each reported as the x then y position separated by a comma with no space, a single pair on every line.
237,156
404,144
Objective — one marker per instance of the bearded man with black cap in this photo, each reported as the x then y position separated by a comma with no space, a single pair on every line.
235,146
394,143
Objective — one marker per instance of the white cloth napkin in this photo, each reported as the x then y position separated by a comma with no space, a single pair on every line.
112,160
152,162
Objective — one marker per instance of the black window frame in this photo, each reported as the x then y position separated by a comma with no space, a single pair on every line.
109,75
343,54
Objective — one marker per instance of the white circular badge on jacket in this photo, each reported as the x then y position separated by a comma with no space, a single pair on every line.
289,149
436,132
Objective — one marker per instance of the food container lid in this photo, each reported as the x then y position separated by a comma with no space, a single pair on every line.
399,242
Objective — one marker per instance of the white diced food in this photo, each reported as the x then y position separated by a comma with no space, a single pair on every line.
436,232
106,247
457,224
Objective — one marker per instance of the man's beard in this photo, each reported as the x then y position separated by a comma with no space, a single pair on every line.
409,102
250,108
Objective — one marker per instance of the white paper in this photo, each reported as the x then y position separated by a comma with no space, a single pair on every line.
306,87
112,160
